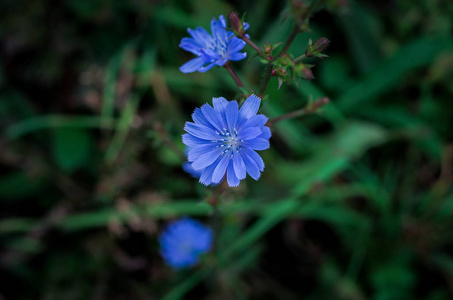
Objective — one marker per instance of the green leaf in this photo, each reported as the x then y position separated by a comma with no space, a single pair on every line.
421,52
123,126
25,244
333,155
58,121
19,184
112,71
71,148
360,30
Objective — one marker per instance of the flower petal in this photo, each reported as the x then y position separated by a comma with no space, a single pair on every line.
192,65
201,131
195,152
231,176
214,118
206,175
201,36
220,104
209,55
218,30
199,118
257,143
206,68
221,61
231,113
250,107
239,166
222,22
235,45
249,133
252,168
254,156
192,141
187,166
203,240
191,45
219,171
206,159
255,121
237,56
265,133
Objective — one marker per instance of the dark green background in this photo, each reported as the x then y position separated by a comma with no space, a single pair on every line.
354,203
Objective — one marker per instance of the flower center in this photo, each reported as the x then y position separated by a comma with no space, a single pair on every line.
230,141
218,47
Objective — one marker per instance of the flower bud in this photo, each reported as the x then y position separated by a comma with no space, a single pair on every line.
307,74
280,72
315,48
298,8
236,24
267,47
304,71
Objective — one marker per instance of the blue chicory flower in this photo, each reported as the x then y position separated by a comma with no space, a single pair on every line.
211,50
222,140
187,166
183,241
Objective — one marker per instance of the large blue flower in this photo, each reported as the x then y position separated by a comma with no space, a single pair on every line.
211,50
183,241
222,140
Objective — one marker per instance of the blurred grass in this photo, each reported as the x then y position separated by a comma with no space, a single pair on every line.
355,202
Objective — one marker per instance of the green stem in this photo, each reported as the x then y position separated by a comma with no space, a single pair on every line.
300,58
309,109
254,46
266,79
289,41
270,65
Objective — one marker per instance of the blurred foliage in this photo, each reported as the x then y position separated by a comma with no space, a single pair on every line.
355,202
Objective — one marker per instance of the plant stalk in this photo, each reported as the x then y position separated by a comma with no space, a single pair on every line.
233,74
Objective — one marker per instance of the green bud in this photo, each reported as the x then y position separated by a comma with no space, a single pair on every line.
303,71
315,48
280,72
236,24
267,47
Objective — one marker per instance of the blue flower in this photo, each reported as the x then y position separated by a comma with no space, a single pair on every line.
222,140
188,168
211,50
183,241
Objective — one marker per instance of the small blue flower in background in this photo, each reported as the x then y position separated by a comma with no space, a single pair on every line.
222,140
187,166
183,241
215,49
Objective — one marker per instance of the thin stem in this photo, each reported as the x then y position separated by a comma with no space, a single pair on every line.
270,65
289,41
266,79
235,77
309,109
254,46
213,200
299,59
